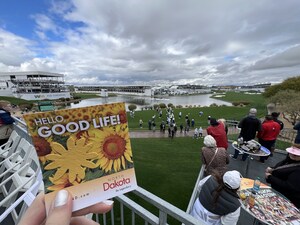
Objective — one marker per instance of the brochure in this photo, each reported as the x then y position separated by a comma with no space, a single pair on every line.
86,151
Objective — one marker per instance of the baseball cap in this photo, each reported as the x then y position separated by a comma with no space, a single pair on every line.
232,179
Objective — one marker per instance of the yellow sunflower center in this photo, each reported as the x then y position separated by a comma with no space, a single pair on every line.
114,146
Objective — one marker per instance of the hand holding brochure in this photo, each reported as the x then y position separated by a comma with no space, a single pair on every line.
86,151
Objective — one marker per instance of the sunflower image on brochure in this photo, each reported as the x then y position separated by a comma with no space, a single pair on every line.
84,150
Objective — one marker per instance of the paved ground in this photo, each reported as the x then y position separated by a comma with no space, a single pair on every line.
255,168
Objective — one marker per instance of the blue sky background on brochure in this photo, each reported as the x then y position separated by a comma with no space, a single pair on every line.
152,41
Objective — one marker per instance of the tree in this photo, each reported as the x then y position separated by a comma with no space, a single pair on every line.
288,84
155,106
287,101
132,107
162,105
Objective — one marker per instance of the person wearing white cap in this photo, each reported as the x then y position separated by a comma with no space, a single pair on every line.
284,176
218,202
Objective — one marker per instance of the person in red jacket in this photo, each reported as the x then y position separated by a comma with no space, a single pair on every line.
268,134
217,130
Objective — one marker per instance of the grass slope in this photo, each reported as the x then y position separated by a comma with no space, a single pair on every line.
168,167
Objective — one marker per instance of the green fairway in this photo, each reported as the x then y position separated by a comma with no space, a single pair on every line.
168,167
226,112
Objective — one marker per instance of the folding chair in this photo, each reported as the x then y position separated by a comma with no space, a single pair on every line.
26,199
18,186
22,191
17,159
10,146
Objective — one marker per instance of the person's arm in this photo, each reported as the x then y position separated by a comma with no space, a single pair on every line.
290,184
227,157
297,126
240,125
231,218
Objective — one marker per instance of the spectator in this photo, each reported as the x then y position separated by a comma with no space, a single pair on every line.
181,128
249,125
297,127
284,176
149,124
196,133
141,123
275,116
6,126
193,123
208,119
224,123
200,132
268,135
214,158
218,201
217,130
172,126
153,126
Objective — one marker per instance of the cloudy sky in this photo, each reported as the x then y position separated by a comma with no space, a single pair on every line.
109,42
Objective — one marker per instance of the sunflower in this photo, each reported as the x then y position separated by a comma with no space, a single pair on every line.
113,147
62,182
72,160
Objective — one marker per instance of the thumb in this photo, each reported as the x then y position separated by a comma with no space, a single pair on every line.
62,209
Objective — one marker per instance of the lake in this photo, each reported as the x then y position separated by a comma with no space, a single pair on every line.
202,100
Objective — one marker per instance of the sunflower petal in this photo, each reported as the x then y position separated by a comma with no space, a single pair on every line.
59,173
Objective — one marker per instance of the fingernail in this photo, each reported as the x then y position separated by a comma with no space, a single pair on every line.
61,198
108,202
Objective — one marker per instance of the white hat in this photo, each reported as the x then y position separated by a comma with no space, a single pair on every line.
209,141
293,150
232,179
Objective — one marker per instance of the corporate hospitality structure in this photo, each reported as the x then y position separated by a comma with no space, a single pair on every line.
34,85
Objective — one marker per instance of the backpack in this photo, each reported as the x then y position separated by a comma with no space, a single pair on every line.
5,117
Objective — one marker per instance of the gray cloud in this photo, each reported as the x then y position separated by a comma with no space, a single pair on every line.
154,41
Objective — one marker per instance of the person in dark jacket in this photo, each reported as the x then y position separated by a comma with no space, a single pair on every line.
275,116
284,176
297,127
218,202
249,125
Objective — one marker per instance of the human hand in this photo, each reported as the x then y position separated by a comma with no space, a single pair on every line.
269,170
60,212
267,175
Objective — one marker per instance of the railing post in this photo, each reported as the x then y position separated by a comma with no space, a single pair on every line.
162,218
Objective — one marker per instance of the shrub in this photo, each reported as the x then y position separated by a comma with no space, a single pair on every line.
155,106
132,107
23,106
162,105
170,105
